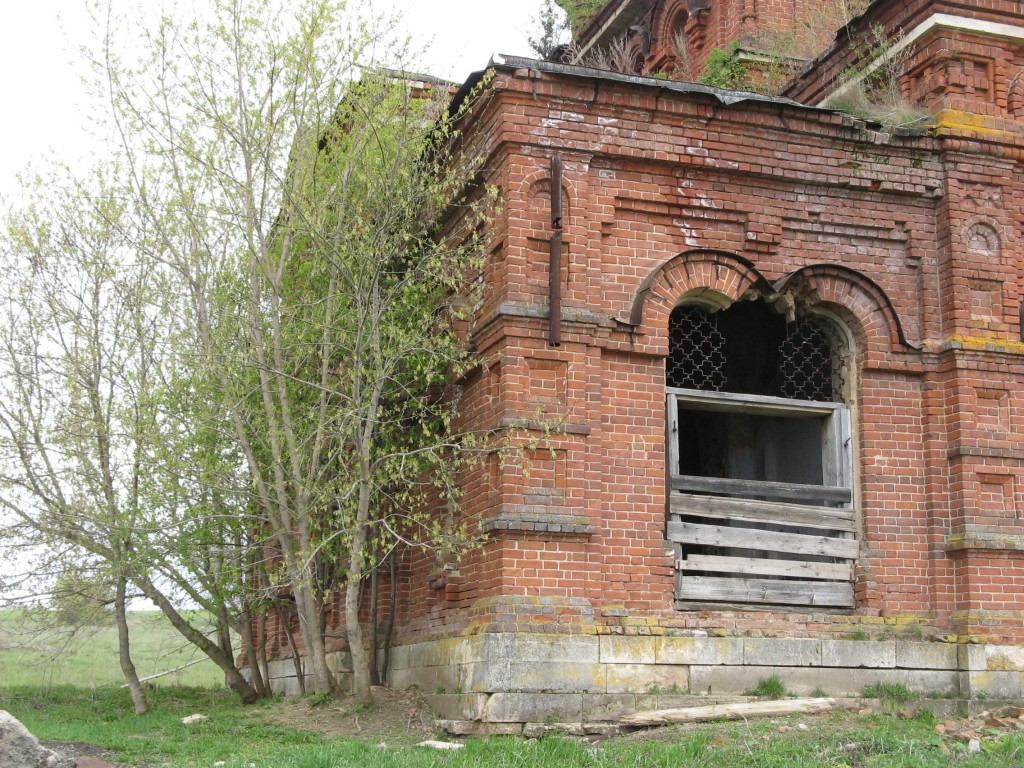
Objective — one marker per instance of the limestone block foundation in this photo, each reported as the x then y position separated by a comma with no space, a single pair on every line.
519,678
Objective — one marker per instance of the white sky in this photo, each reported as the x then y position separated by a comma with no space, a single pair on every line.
42,98
43,103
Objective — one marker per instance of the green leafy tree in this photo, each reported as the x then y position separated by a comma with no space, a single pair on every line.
80,598
92,441
551,30
76,350
299,201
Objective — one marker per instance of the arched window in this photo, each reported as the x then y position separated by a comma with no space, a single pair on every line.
759,455
751,349
676,43
670,54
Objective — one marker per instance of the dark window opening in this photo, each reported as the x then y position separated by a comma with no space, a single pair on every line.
750,447
751,349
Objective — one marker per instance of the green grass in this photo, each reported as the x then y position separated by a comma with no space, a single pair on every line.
33,654
241,736
103,716
769,688
889,693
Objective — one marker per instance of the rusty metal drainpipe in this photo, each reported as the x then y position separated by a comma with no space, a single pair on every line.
555,262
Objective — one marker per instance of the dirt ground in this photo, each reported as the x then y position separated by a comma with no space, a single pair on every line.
79,749
398,718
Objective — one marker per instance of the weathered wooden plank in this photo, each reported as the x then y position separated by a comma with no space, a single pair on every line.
836,451
766,488
762,405
763,567
721,605
736,710
672,435
752,510
766,591
768,541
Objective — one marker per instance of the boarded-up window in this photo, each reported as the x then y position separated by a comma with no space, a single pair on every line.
761,507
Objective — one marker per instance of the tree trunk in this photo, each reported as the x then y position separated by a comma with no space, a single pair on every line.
286,625
234,678
737,711
253,654
261,632
124,651
371,628
389,626
309,622
354,630
224,635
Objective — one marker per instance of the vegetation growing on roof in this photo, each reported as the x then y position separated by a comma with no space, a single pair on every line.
579,12
872,88
723,69
550,30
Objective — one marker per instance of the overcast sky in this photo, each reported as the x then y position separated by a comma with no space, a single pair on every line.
40,70
42,112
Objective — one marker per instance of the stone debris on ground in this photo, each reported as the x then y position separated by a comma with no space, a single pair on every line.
193,719
87,761
433,744
985,726
20,749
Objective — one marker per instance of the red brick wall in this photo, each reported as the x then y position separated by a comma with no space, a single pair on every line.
705,196
910,241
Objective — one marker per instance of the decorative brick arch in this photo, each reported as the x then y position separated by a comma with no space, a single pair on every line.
982,236
670,20
712,278
858,300
540,178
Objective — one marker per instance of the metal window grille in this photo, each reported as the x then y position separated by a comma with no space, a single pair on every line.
805,361
696,358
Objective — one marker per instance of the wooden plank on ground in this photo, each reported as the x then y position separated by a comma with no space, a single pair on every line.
735,711
802,515
763,567
765,541
769,489
767,591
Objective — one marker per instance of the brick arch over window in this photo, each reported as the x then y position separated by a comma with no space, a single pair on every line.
672,19
713,278
670,22
858,301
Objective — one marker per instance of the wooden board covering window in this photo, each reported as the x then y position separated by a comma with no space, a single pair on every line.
761,542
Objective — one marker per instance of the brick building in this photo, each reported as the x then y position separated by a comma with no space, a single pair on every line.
784,367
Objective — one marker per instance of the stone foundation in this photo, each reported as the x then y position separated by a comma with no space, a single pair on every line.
518,678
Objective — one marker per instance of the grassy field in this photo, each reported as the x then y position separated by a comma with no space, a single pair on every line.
243,737
33,654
